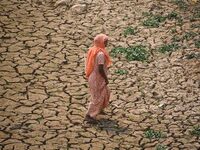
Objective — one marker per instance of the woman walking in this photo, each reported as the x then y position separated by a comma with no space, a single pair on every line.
97,64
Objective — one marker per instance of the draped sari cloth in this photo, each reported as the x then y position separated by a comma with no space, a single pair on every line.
100,94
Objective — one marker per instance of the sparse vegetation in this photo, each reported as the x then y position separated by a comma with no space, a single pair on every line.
136,52
46,95
161,147
154,21
173,15
176,16
176,38
189,35
193,55
181,4
146,14
180,21
121,71
173,30
118,51
130,31
168,48
197,43
195,26
152,134
196,13
196,131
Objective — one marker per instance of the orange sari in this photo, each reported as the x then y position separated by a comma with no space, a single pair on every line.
91,55
99,91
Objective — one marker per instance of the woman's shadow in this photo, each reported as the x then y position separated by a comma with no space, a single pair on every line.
110,126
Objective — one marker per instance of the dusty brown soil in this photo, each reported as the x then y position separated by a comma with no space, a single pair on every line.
44,95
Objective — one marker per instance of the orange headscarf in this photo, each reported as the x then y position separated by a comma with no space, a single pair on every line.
91,55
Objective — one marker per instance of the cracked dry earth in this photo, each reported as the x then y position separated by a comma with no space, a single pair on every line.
44,95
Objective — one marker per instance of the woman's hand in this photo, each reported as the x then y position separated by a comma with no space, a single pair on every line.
107,82
103,74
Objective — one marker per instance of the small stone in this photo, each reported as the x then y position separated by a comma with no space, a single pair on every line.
79,8
84,1
62,3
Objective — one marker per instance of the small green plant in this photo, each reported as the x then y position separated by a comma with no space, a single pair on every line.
154,21
85,50
176,38
146,14
152,134
196,131
173,30
181,4
130,31
173,15
168,48
117,50
195,26
190,56
189,35
136,52
121,71
196,13
180,21
161,147
193,55
197,43
176,16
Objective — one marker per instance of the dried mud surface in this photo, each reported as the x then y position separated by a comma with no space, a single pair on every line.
44,94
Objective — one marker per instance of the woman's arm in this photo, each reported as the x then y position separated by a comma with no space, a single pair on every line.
102,72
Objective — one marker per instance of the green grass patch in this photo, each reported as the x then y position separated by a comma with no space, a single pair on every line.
161,147
196,13
180,21
154,21
121,71
152,134
168,48
181,4
176,38
173,15
197,43
195,26
193,55
85,50
146,14
189,35
136,52
173,30
196,131
130,31
118,51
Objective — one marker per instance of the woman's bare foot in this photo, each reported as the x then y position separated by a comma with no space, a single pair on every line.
102,113
89,119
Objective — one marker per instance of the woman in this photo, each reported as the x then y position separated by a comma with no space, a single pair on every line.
97,63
